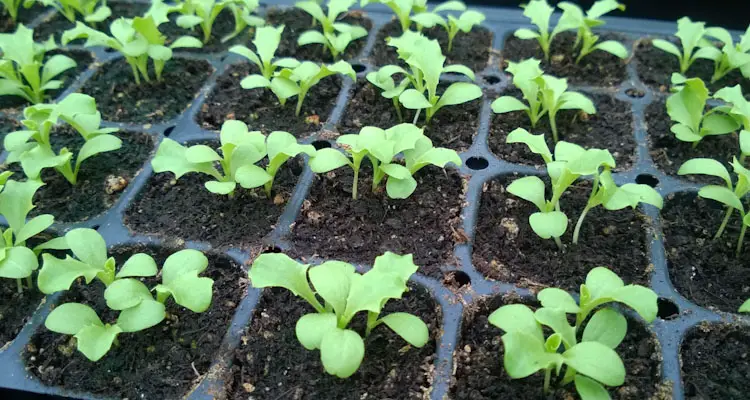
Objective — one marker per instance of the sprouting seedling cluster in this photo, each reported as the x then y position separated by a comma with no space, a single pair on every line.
336,36
125,292
544,94
452,24
569,163
203,14
586,350
740,110
404,9
380,147
23,69
732,56
33,148
266,42
90,10
344,293
240,150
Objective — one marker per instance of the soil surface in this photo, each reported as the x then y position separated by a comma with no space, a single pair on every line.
655,68
714,362
427,224
480,374
120,99
162,362
16,308
56,23
507,250
101,179
610,128
272,364
453,127
296,22
599,68
25,16
470,49
260,109
166,207
704,270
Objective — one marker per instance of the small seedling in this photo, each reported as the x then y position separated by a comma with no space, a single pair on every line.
33,149
336,36
240,150
381,147
266,41
89,9
463,23
731,56
344,292
590,360
203,13
23,71
539,13
740,110
137,40
383,80
402,8
693,41
573,18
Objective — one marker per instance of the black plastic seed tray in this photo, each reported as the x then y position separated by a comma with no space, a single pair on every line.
480,165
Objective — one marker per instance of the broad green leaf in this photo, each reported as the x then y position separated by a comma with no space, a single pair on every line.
517,318
278,270
524,33
401,266
19,262
536,143
745,307
529,188
414,100
201,153
181,263
601,281
555,298
171,156
138,265
607,327
251,176
548,225
311,328
557,320
641,299
56,65
35,226
341,352
186,42
146,314
126,293
254,81
95,341
576,101
506,104
459,69
326,160
220,187
88,246
409,327
596,361
722,195
16,202
58,274
368,292
96,145
719,124
525,355
332,281
71,318
459,93
705,166
310,37
590,389
400,188
612,47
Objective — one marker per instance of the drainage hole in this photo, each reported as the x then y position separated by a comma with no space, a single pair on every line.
492,79
647,179
456,279
321,144
477,163
168,131
635,93
272,249
359,68
667,309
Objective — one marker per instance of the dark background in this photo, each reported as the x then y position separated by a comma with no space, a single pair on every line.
730,14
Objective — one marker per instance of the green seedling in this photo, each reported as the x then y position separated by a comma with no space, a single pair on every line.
12,7
402,8
740,110
91,10
544,94
137,40
452,24
539,13
336,36
23,71
693,41
32,147
383,80
731,56
344,293
381,147
686,108
266,41
240,151
587,352
203,14
729,195
745,307
573,18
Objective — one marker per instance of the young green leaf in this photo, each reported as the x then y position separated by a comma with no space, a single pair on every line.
539,13
574,18
203,14
180,280
266,41
403,9
336,36
694,44
93,337
91,10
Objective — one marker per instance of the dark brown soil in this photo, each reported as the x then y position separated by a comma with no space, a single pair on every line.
655,68
56,23
506,249
480,374
185,209
598,68
15,308
296,22
260,109
470,49
272,364
159,363
714,362
669,153
101,179
120,99
25,16
427,224
453,127
610,128
704,270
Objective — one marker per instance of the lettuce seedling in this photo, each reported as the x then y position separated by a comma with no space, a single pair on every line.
402,8
240,150
203,13
137,40
23,71
731,56
729,195
381,147
344,292
544,94
383,80
266,41
463,23
693,41
32,147
740,110
91,10
591,362
574,18
336,36
686,108
539,13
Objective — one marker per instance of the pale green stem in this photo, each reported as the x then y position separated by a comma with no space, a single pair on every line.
558,243
553,126
547,378
742,238
357,163
724,222
19,285
577,230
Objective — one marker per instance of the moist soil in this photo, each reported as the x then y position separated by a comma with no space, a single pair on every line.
599,68
506,249
120,99
470,49
272,364
704,270
610,128
56,23
101,179
260,109
296,22
162,362
453,127
655,68
165,207
25,16
427,224
480,375
714,362
669,153
16,308
83,59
